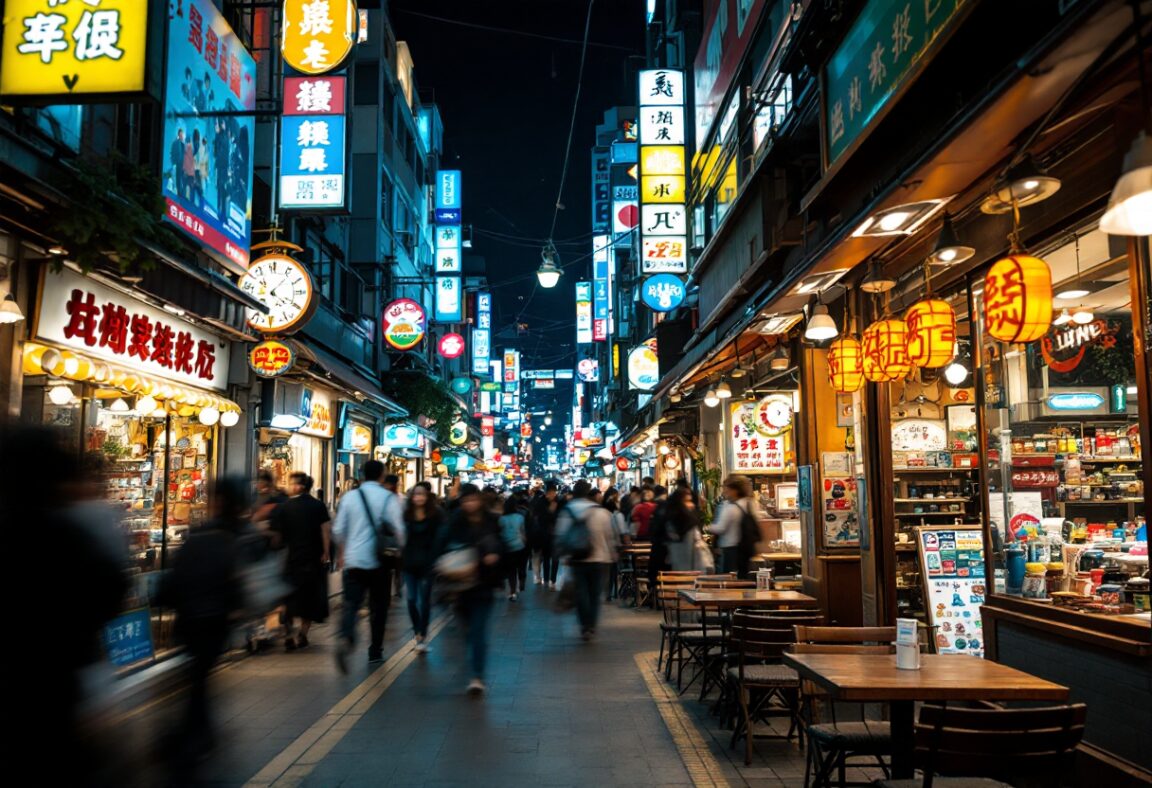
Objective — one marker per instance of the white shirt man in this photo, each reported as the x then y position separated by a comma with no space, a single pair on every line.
353,530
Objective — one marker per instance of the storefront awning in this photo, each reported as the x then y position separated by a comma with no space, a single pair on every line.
331,369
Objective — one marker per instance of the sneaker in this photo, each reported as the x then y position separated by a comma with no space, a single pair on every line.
421,647
476,687
512,597
342,650
375,657
551,586
537,580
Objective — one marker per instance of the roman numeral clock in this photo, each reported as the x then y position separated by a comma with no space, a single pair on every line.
283,285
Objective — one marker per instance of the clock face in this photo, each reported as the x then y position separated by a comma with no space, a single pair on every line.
285,287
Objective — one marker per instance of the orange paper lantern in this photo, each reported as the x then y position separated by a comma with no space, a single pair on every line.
846,365
931,333
1018,299
885,348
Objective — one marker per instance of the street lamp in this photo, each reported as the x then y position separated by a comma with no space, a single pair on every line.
548,273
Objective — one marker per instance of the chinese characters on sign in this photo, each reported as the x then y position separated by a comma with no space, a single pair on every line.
882,51
448,249
482,335
316,35
270,358
77,312
449,306
663,216
752,450
312,143
603,265
209,131
74,50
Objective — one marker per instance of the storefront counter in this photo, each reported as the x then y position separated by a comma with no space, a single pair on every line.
1107,663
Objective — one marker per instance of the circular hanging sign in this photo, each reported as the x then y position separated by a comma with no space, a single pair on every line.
622,464
461,385
270,359
458,434
451,346
404,323
644,366
316,38
663,292
773,415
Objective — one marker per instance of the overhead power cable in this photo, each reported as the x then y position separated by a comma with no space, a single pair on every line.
510,31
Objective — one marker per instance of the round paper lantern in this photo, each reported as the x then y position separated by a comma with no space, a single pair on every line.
885,348
931,333
846,365
1018,299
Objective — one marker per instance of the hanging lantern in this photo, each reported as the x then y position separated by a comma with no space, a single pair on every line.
931,333
1018,299
885,350
846,365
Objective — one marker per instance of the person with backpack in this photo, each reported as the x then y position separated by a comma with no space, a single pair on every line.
369,534
584,538
512,532
738,525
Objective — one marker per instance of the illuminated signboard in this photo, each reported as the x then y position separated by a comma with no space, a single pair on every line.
451,346
448,249
403,322
449,307
66,53
583,312
644,366
601,288
270,358
448,197
663,292
317,35
312,143
663,186
588,370
209,132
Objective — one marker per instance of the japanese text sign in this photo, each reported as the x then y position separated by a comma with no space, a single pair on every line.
128,637
754,450
317,35
884,49
448,195
208,138
663,187
583,312
271,358
312,143
80,313
482,335
73,51
448,249
449,306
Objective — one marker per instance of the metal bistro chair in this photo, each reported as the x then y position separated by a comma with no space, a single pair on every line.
831,744
980,747
672,624
758,642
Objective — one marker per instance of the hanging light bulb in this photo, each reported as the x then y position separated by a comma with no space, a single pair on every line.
821,326
955,373
949,250
60,394
1082,316
229,418
209,416
711,399
1062,318
724,391
780,360
548,274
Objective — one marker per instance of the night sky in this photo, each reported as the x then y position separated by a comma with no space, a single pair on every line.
506,101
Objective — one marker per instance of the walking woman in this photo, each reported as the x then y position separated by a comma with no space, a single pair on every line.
620,538
423,519
512,531
682,528
474,527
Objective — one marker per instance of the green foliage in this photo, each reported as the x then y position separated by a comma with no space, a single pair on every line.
709,479
424,396
114,202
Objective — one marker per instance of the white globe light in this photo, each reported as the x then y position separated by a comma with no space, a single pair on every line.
146,406
710,398
229,418
955,373
209,416
60,395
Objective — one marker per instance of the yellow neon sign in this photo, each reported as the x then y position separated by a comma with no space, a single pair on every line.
662,188
317,35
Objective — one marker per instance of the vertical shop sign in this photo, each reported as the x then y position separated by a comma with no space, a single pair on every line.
601,192
449,306
448,249
583,313
663,215
64,54
482,335
317,35
448,197
313,143
209,132
600,291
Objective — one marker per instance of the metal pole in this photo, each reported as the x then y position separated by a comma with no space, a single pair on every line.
164,481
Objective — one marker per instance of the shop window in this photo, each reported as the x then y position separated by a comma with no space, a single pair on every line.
1066,500
773,105
725,193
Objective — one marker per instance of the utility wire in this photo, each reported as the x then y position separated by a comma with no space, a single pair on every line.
510,31
572,125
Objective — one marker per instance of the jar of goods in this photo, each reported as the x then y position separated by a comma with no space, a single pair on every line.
1111,593
1136,593
1035,584
1054,577
1082,584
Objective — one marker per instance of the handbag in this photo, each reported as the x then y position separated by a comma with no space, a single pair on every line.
387,545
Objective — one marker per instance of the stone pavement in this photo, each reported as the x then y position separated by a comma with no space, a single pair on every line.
559,712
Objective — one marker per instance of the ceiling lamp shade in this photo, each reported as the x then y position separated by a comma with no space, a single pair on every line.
1018,299
711,399
877,281
1062,318
724,391
1027,184
1083,316
548,274
885,349
1130,207
846,365
10,311
931,333
820,326
780,360
949,250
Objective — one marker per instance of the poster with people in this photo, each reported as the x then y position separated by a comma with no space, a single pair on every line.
208,137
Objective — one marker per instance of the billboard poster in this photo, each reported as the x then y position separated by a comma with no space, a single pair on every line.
207,171
728,29
583,312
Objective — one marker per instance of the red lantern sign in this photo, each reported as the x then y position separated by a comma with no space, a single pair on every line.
931,333
1018,299
622,464
451,346
885,349
845,365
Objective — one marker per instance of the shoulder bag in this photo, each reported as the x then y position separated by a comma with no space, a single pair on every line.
387,545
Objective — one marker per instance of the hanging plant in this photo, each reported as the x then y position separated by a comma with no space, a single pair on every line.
424,396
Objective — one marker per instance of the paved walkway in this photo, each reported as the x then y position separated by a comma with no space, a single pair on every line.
559,712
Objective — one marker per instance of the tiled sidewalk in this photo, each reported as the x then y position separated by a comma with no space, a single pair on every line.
559,712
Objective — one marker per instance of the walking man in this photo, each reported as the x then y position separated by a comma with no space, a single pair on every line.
365,512
588,571
304,528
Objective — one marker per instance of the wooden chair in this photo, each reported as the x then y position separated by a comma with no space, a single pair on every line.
758,644
640,574
1024,747
831,744
673,623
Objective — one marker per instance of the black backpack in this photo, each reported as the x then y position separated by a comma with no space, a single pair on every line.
749,532
576,542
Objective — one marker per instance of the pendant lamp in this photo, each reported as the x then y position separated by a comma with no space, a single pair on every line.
1018,299
931,333
846,365
885,348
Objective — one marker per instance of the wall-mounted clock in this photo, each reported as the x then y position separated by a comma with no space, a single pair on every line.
285,287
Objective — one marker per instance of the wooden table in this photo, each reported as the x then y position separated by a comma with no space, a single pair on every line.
868,678
731,598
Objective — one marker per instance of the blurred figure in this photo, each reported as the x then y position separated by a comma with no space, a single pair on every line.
473,526
204,588
391,483
543,533
587,571
682,529
657,534
620,537
423,525
513,532
363,514
303,526
642,515
38,488
268,497
731,521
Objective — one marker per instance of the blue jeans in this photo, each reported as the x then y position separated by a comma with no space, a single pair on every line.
419,590
476,608
588,577
377,586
